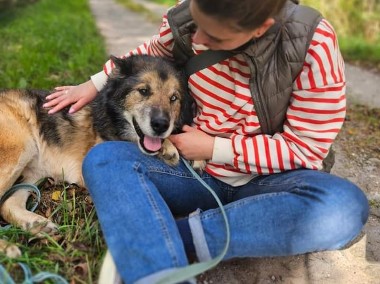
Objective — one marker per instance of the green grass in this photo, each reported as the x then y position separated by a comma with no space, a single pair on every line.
141,9
44,44
356,49
167,3
49,43
77,255
357,23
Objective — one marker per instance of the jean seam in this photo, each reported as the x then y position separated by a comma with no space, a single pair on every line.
177,173
238,203
165,231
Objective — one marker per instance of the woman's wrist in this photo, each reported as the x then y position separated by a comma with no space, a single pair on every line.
99,80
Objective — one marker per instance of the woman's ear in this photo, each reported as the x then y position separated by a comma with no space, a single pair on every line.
263,28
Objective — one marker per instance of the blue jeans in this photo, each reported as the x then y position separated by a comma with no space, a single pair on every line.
137,198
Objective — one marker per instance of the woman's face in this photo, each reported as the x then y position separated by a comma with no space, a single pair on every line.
216,35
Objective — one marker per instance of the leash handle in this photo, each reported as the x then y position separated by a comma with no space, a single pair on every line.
192,270
29,278
31,204
27,186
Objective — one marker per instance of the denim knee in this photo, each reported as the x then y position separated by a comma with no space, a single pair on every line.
108,151
347,211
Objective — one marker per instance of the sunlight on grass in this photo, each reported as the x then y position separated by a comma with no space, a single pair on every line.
49,43
141,9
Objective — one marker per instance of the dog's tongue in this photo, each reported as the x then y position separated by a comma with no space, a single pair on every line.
152,143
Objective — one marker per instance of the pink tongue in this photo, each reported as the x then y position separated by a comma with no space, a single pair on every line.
152,143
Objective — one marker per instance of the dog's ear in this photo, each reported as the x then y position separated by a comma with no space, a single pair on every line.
188,107
123,67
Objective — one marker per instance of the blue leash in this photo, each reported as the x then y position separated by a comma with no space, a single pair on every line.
5,278
31,206
193,270
29,278
31,187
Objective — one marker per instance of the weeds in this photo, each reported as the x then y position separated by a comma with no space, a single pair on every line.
361,130
77,253
141,9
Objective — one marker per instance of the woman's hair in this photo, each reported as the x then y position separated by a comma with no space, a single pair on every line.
243,14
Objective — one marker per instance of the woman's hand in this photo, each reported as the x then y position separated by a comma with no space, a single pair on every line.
193,144
76,96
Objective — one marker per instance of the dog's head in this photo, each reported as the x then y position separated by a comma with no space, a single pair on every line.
147,100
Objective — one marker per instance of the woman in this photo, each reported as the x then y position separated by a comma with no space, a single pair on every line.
286,74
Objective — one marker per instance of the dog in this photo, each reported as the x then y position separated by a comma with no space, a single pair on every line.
144,100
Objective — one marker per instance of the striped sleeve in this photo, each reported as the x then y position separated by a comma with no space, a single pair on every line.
159,45
314,117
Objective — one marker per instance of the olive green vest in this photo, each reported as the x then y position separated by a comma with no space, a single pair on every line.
275,59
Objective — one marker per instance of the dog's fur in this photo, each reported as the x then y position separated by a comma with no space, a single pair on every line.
143,92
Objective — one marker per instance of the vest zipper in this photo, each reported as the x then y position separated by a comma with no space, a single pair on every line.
258,99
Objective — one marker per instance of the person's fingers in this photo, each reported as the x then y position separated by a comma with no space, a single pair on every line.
77,106
55,109
60,88
54,101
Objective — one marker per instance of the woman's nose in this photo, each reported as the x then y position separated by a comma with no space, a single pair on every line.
200,38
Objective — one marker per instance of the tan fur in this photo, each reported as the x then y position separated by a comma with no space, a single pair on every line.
25,153
59,152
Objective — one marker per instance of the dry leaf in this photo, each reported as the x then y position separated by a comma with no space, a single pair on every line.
56,195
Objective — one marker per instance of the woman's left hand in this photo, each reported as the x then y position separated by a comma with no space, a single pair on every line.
193,144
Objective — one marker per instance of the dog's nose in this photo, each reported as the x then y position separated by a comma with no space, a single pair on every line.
160,124
159,120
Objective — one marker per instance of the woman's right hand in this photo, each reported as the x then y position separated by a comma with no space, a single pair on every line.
76,96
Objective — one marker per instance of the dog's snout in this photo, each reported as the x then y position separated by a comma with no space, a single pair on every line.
160,121
160,124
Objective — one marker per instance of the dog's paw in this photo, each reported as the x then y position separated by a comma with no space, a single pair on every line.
10,250
41,227
198,165
169,153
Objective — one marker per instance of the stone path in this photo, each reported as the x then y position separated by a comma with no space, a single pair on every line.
124,30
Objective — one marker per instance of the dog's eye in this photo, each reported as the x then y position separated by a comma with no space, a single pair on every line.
143,91
173,98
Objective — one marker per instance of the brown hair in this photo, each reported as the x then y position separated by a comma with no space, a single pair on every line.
243,14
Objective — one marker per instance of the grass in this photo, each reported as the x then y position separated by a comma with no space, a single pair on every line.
357,23
44,44
362,130
77,255
49,43
141,9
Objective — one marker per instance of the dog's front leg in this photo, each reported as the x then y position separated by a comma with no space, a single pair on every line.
198,165
169,153
14,212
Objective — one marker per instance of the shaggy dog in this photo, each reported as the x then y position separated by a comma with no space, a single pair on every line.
144,100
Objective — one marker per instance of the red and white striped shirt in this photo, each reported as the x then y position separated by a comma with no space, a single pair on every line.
225,109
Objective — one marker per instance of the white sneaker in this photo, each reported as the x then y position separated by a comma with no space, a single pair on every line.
108,273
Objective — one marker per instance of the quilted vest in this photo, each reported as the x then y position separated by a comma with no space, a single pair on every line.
275,59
